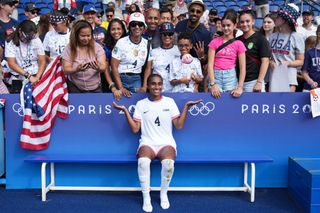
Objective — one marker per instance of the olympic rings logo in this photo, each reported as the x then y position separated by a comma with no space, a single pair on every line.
202,109
18,109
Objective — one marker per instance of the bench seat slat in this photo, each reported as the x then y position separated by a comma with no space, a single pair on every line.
59,158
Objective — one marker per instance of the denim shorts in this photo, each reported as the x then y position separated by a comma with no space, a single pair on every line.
131,82
226,79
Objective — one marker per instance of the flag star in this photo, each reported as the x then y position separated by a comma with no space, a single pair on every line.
29,90
28,97
30,102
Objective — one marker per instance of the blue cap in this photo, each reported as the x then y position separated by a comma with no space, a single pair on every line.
166,27
89,8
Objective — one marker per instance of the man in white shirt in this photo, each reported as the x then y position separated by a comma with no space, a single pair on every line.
308,28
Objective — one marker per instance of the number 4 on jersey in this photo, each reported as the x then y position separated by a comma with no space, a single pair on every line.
157,121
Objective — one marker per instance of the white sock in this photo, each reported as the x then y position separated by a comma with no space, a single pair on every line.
144,177
166,176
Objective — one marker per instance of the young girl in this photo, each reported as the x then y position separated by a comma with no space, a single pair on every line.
221,65
311,66
287,45
257,54
155,115
268,26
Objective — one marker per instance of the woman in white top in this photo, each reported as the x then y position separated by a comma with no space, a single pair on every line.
155,115
56,40
25,55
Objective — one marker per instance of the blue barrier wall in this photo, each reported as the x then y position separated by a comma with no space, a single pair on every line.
278,125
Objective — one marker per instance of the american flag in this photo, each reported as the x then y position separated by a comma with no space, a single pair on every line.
43,102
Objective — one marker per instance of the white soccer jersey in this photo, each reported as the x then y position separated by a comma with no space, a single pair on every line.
26,55
156,120
131,56
55,43
180,70
161,64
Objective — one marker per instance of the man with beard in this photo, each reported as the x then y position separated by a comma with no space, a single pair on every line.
201,37
308,28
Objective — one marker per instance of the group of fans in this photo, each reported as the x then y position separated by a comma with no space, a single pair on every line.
116,51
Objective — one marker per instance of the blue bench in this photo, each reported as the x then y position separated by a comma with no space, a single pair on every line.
51,159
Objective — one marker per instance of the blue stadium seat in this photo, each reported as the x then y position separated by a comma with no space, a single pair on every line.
259,22
45,11
41,5
230,3
273,7
20,11
218,3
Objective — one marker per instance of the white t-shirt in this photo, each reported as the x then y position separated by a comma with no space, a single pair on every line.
180,70
156,120
306,33
131,56
26,55
55,43
161,64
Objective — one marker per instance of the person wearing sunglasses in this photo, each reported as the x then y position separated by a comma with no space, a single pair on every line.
25,55
56,40
201,37
162,57
257,54
128,57
31,11
109,14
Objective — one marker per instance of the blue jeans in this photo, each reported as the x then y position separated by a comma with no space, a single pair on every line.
226,79
131,82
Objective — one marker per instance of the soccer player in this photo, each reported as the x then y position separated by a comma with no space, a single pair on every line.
155,116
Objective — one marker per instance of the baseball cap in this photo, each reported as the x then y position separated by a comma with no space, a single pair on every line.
8,1
308,12
213,12
137,17
89,8
31,7
166,27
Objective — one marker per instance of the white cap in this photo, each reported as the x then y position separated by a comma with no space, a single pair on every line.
139,17
198,2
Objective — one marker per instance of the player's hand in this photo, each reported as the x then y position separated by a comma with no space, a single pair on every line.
119,107
191,103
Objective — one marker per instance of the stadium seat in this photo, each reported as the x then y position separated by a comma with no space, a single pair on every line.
273,7
45,11
41,5
217,4
259,22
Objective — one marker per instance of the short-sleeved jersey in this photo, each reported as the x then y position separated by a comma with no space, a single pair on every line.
257,47
131,56
161,64
54,43
26,55
6,28
312,66
99,34
156,120
180,70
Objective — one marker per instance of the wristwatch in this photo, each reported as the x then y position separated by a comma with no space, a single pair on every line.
211,84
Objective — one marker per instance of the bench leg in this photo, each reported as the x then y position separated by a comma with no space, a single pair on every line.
253,181
245,175
52,177
43,182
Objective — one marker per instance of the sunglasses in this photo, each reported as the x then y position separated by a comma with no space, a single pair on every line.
136,23
195,11
54,24
109,16
34,12
99,16
167,34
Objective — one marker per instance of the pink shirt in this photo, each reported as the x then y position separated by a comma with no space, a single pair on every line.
226,58
90,78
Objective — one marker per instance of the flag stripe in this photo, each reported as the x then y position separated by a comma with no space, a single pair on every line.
44,102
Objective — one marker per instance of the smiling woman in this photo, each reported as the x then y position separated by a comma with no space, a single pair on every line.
128,57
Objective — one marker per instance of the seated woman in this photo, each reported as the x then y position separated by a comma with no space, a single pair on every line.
25,56
83,59
155,116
